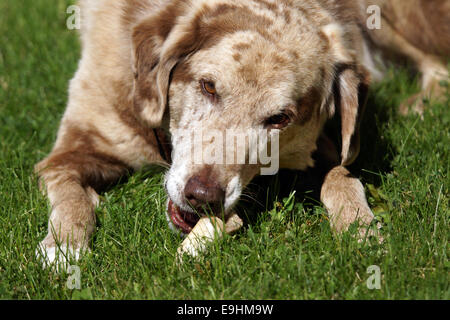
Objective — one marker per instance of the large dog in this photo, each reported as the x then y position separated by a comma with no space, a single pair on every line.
152,70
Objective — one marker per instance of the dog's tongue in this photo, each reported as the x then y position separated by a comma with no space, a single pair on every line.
182,219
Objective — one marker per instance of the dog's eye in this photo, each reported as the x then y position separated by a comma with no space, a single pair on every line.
278,121
208,88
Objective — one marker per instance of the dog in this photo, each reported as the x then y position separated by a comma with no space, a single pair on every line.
153,70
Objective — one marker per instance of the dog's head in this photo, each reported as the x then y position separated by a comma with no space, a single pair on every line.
239,80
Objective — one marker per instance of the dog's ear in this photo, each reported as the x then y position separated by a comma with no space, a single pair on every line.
158,44
350,91
350,100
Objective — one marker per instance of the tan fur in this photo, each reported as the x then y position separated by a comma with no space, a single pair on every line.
345,206
141,68
417,31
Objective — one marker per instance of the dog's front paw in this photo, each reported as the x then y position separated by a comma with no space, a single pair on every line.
416,104
364,220
345,201
370,231
436,92
59,257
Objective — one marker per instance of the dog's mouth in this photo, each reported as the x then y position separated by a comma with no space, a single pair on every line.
181,219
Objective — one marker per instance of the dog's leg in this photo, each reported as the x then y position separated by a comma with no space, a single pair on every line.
70,177
344,198
432,69
341,193
433,73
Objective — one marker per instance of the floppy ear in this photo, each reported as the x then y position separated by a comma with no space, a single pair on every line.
157,47
350,93
350,100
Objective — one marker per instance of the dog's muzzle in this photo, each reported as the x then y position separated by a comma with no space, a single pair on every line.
204,195
183,220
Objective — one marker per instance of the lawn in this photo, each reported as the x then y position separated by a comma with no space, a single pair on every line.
286,251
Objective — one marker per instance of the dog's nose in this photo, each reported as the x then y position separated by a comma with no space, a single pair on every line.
201,192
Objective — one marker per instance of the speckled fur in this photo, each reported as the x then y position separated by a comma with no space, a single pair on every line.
142,62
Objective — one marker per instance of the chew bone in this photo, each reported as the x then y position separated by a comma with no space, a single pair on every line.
206,230
234,223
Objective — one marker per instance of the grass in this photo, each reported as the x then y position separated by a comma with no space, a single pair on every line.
287,251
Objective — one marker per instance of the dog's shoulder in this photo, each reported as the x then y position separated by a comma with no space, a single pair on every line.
106,28
105,71
100,94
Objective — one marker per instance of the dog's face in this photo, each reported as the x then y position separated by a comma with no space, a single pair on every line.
226,72
241,85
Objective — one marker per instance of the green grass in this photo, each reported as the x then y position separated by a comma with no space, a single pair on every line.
287,251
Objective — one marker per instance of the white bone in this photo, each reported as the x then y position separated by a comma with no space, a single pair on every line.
207,230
